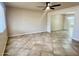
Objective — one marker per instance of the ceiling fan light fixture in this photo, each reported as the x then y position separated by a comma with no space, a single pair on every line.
48,8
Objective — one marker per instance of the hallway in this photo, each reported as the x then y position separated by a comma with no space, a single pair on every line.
42,44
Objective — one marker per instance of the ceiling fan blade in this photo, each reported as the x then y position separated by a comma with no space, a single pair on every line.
52,8
55,5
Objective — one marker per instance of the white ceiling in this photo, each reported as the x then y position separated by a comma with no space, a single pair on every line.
34,5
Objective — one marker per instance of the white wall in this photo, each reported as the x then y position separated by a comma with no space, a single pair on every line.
57,22
24,21
3,31
74,10
65,23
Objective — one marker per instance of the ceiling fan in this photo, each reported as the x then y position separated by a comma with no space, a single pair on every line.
48,6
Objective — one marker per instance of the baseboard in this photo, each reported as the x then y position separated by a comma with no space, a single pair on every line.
26,33
58,30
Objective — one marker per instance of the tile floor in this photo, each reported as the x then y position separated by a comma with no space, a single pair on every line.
42,44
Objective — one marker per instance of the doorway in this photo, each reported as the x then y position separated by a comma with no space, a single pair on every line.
63,22
69,22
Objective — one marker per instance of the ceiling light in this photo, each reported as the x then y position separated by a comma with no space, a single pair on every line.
48,8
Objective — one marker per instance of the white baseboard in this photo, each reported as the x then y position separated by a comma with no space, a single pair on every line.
26,33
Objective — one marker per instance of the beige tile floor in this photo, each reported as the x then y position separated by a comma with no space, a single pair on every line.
42,44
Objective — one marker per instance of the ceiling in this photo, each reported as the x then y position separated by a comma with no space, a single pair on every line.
36,5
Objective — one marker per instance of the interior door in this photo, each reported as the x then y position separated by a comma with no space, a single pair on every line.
57,22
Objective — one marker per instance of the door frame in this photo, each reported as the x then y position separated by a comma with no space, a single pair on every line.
49,17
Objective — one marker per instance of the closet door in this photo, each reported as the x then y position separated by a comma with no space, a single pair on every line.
57,22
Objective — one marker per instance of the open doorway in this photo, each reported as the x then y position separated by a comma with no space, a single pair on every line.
69,22
63,22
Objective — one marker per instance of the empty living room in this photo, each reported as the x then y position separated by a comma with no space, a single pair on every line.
39,28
